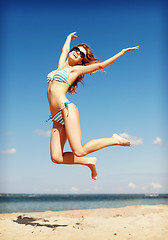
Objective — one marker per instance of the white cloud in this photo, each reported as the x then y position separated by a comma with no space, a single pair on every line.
43,133
132,185
133,139
157,141
156,185
74,189
9,151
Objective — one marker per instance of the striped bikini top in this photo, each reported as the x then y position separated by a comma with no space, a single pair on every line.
61,75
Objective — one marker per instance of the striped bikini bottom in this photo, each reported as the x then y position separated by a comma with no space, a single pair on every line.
58,116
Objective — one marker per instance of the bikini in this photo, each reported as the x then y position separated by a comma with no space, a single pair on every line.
61,76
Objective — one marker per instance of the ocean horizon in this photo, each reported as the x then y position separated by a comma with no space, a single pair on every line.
10,203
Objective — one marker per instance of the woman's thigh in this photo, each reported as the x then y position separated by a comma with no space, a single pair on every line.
72,127
57,142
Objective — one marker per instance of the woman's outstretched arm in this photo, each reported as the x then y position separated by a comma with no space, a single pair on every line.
66,48
97,66
115,57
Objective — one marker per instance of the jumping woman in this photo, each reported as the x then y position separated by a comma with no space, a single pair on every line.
65,115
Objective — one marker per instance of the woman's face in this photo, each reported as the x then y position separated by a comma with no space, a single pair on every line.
77,55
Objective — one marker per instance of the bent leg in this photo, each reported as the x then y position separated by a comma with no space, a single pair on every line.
73,131
58,139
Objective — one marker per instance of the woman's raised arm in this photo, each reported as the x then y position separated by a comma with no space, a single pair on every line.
97,66
66,48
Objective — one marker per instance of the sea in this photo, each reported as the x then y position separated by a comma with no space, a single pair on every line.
10,203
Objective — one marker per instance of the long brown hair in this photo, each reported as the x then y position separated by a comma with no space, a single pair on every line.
89,59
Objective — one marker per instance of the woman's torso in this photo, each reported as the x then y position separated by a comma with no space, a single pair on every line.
58,85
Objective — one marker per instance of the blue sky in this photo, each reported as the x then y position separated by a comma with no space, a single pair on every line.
128,98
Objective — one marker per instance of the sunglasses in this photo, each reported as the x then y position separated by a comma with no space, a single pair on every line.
78,51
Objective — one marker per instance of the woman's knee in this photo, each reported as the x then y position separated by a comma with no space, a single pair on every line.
56,158
79,152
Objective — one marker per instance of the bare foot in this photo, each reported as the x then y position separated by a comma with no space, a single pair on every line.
91,165
93,170
120,141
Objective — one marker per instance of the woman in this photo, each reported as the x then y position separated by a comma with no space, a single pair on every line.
64,114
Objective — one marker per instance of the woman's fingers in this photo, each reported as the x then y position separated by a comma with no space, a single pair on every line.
136,48
73,36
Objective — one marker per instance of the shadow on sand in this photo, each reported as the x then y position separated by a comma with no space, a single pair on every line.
32,222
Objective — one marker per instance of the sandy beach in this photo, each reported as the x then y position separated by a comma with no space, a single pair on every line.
132,222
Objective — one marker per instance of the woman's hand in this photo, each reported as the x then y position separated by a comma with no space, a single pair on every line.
130,49
72,35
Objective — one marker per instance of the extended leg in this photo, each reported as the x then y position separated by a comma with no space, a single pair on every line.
73,131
